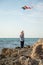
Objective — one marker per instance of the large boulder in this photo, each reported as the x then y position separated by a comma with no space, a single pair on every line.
37,51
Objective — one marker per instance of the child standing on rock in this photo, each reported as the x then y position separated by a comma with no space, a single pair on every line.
22,39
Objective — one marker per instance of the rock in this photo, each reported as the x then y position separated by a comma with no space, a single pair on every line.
2,56
17,48
14,54
31,61
35,62
28,46
16,62
27,62
37,51
41,62
22,60
7,51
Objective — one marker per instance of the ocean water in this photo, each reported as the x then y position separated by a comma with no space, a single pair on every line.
15,42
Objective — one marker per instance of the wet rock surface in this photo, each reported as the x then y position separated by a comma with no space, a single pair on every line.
30,55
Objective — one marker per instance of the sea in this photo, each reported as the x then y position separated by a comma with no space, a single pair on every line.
15,42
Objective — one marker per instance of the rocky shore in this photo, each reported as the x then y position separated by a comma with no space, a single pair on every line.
30,55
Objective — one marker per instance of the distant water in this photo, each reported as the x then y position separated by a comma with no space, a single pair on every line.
15,42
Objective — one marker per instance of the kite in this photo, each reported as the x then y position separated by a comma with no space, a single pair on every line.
26,7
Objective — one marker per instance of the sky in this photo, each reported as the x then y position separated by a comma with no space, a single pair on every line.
13,19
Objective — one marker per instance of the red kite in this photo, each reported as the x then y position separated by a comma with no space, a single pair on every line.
26,7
